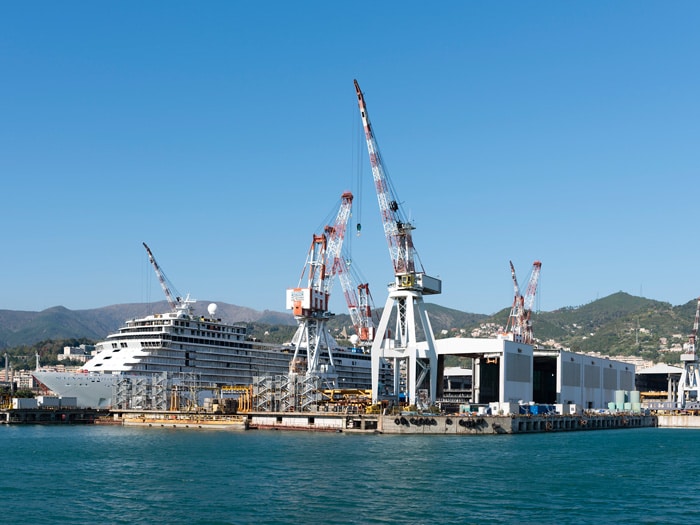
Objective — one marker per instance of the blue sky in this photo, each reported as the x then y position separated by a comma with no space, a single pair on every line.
223,134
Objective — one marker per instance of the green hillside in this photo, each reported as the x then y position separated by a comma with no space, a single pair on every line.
617,325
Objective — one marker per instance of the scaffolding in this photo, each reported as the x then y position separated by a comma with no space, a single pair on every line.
263,393
178,392
293,393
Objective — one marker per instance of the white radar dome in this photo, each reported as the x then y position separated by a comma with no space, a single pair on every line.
354,339
212,309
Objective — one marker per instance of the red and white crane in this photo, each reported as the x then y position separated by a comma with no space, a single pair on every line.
358,299
513,325
529,302
519,322
309,300
406,293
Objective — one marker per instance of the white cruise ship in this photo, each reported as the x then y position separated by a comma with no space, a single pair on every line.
181,343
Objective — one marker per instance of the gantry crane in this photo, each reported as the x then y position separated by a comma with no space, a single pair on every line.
405,293
519,325
689,383
309,303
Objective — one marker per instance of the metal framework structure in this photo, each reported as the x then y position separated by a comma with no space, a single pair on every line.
173,301
405,293
513,326
520,319
358,299
143,392
689,383
309,303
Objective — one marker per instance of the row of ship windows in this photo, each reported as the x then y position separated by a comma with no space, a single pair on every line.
198,353
204,338
204,333
233,344
214,327
211,332
157,327
118,346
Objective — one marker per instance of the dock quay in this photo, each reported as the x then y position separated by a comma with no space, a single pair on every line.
57,416
362,423
679,420
445,424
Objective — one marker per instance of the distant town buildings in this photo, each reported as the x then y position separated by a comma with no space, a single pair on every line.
81,353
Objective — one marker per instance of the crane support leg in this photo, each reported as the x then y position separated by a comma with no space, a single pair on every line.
419,357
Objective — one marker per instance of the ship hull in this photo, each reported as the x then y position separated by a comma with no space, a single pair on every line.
90,390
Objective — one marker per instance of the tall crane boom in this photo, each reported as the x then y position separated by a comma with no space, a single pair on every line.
405,294
309,303
174,302
358,299
515,319
324,249
531,289
336,234
519,322
529,302
397,229
515,279
365,327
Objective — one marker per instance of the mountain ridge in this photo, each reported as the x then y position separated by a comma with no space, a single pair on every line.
618,324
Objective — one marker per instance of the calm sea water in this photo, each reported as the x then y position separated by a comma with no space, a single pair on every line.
105,475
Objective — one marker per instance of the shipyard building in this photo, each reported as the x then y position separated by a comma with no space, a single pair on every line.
507,374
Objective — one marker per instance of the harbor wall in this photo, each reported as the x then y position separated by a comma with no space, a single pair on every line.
476,425
445,425
303,421
679,421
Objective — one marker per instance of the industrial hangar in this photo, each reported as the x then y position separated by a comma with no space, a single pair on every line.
511,373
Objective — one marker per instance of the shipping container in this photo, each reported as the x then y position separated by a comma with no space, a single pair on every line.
19,403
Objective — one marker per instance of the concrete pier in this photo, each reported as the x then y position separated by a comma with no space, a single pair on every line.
60,416
680,420
441,424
